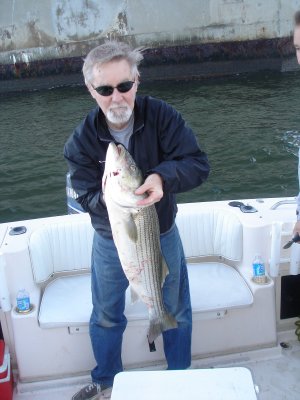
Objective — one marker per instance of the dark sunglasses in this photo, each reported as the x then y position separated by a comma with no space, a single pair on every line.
122,87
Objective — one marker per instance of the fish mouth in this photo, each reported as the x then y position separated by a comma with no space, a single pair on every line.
118,149
115,154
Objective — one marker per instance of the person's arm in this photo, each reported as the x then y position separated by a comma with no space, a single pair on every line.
185,165
297,224
86,177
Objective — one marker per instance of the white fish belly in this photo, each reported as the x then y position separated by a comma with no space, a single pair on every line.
142,260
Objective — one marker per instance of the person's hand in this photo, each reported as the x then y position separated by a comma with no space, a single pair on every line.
153,186
296,230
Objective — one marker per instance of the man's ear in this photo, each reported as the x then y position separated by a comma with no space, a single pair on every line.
91,90
137,80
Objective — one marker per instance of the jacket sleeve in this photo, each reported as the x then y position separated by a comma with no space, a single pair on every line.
86,176
184,166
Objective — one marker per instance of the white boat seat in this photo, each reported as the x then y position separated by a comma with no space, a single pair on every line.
67,301
214,287
66,248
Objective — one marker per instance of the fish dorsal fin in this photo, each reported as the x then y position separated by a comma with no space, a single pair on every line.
131,228
164,271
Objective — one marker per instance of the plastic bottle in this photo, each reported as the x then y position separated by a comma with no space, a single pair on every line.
259,273
23,301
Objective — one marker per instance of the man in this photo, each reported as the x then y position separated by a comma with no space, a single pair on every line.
297,47
166,151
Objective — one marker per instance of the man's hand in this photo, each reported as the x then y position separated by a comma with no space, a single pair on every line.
296,229
153,185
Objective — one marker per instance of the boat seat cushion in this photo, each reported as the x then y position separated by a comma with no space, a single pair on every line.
210,232
60,247
67,246
214,286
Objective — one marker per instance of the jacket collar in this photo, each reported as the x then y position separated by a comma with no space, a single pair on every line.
101,124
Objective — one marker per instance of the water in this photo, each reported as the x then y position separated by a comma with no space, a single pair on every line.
249,125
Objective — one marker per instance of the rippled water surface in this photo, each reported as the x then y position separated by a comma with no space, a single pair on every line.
249,126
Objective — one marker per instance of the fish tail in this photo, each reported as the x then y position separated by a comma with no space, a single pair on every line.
154,330
159,325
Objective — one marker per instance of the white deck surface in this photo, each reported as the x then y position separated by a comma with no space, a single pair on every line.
275,371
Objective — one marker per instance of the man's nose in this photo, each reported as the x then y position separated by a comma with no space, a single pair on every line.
116,95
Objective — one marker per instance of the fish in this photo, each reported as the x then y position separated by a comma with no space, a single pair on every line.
136,234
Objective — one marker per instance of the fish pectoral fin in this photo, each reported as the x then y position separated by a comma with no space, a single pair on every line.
131,228
133,295
164,271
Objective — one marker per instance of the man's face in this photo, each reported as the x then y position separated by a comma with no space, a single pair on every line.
117,107
297,42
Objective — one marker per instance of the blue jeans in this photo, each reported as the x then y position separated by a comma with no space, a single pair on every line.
108,321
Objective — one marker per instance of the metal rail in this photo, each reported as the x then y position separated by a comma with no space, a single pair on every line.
282,202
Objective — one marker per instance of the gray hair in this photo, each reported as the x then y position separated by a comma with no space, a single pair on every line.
297,18
111,51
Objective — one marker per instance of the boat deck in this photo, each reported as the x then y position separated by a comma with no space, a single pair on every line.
275,373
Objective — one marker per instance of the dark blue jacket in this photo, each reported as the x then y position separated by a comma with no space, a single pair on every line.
161,142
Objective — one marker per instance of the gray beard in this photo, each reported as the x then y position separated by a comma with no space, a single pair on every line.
119,116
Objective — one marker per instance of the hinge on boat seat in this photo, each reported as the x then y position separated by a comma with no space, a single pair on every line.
204,315
78,329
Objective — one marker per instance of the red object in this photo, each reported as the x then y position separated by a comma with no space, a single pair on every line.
2,348
6,377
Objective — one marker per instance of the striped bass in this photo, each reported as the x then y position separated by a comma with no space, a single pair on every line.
136,234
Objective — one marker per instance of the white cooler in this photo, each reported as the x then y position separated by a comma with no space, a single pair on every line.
192,384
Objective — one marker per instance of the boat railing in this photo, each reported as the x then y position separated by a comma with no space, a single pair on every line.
283,202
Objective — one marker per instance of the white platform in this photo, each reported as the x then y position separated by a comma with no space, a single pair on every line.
205,384
275,371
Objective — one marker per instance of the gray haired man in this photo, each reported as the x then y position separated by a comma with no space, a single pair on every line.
165,149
